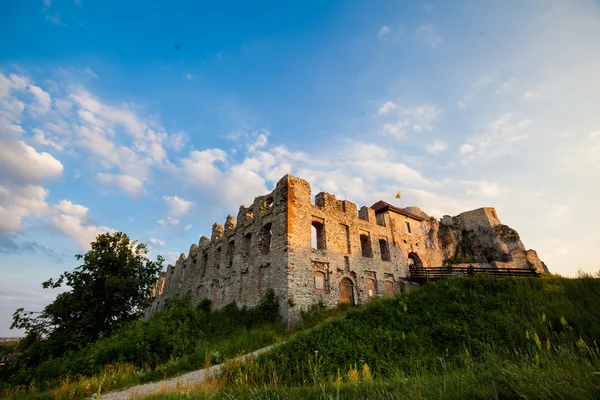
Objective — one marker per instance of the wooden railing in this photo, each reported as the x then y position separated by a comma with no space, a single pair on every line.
432,273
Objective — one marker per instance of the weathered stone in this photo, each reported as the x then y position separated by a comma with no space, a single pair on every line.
330,252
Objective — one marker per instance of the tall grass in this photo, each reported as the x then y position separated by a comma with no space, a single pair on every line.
458,338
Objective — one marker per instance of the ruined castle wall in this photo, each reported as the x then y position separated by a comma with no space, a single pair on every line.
416,238
319,274
485,217
241,260
353,256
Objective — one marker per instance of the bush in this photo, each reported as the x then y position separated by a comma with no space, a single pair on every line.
179,330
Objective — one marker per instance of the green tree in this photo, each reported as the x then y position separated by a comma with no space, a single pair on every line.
112,287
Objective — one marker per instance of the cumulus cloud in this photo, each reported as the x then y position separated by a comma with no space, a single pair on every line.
131,185
22,163
176,206
72,221
387,107
199,167
18,202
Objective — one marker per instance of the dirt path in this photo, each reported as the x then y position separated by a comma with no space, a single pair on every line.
183,381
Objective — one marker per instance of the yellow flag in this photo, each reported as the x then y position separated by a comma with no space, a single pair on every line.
398,195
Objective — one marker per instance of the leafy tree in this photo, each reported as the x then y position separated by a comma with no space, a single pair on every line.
112,286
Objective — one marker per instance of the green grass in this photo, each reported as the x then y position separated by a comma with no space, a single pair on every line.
558,375
441,319
457,338
180,339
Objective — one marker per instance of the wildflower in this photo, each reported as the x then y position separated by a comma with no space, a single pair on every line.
353,374
338,380
527,334
581,343
548,344
467,352
563,321
537,358
366,372
537,340
543,317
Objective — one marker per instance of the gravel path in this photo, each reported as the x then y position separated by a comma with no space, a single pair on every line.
182,382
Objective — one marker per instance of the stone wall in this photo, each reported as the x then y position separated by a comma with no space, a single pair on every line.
329,251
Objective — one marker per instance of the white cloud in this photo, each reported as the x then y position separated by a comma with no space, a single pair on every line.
260,142
17,202
22,163
437,146
156,243
131,185
387,107
415,119
43,101
498,140
176,206
397,129
169,222
72,220
383,31
76,210
200,169
44,139
427,34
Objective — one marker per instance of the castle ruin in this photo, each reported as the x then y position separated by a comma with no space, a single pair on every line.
331,252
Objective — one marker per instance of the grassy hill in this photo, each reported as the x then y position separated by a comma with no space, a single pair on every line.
457,338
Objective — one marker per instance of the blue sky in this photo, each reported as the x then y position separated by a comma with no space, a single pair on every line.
159,119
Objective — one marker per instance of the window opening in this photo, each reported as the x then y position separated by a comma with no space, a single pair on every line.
318,235
268,203
365,244
266,239
346,229
408,227
384,249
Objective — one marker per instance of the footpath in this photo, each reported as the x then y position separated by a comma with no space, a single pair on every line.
182,382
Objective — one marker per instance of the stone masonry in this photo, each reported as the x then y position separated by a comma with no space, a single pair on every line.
330,251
